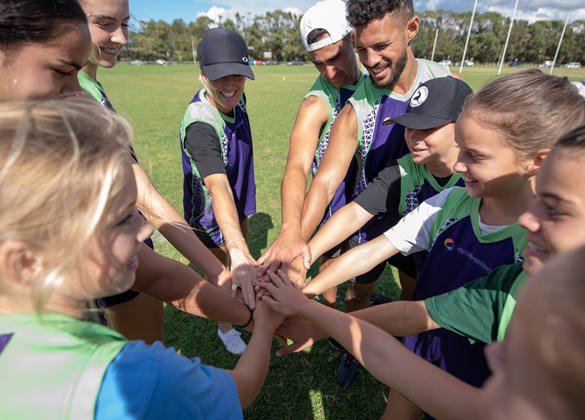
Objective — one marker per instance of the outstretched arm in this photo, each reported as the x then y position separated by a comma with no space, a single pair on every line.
432,389
333,168
357,261
252,368
312,115
340,226
172,225
180,286
226,214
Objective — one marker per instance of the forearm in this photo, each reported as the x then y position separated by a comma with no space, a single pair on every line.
357,261
252,367
180,286
167,220
342,224
400,319
292,192
439,394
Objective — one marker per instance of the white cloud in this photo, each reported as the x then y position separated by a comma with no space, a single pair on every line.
530,10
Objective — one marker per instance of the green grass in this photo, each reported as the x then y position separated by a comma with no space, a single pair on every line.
154,98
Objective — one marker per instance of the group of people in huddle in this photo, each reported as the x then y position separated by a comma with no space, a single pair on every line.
472,196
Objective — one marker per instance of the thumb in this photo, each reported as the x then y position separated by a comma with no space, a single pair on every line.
306,255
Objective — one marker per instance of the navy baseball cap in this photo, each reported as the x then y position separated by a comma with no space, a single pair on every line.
436,102
222,52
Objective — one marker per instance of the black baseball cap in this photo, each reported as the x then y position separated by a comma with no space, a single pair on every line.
222,52
436,102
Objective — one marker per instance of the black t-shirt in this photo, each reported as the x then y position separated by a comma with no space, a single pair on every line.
203,145
383,193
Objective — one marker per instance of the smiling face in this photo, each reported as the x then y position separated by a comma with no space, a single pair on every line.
113,254
489,167
336,63
225,92
108,24
556,221
382,47
432,145
45,70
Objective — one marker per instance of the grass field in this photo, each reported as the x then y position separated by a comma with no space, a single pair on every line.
154,99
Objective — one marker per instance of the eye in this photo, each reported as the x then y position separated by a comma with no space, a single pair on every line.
127,219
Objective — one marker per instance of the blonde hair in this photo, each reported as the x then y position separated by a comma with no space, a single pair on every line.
529,108
60,161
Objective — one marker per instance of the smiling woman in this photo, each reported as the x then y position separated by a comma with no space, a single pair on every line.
216,143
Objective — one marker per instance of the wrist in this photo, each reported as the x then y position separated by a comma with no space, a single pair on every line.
250,317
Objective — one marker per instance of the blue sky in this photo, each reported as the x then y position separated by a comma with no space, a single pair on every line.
188,10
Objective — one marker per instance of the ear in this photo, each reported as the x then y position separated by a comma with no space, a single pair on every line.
19,261
534,164
412,28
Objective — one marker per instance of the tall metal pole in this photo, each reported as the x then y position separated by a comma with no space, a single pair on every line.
503,57
435,45
468,34
559,46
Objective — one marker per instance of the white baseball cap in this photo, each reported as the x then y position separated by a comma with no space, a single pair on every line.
328,15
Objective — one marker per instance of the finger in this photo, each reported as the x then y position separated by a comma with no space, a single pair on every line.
307,258
280,339
248,292
274,265
285,280
275,279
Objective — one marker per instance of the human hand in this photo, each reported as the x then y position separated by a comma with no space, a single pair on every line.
244,275
284,297
285,248
301,332
265,316
297,273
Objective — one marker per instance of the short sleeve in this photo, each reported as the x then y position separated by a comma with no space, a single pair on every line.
382,195
474,310
154,382
412,233
202,144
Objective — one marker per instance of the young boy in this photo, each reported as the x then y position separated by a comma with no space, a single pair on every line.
429,123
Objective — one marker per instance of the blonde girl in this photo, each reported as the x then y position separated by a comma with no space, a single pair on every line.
73,238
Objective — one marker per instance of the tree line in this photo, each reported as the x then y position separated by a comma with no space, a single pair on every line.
277,33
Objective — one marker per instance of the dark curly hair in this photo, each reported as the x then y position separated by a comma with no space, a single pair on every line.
362,12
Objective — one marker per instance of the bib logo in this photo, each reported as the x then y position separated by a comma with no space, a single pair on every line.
449,244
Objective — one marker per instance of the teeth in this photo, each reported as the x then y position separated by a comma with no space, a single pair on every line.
534,247
228,94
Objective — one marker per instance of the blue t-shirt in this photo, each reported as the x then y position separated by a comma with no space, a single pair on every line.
154,382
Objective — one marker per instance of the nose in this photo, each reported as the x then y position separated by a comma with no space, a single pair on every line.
331,72
369,58
528,220
460,167
145,231
71,84
120,36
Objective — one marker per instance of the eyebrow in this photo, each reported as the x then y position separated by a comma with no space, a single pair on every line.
73,64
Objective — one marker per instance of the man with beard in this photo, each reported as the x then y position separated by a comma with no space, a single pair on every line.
384,31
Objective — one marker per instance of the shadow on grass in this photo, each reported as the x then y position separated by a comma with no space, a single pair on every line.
259,226
298,386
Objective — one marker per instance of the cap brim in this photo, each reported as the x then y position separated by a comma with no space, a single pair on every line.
417,121
217,71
